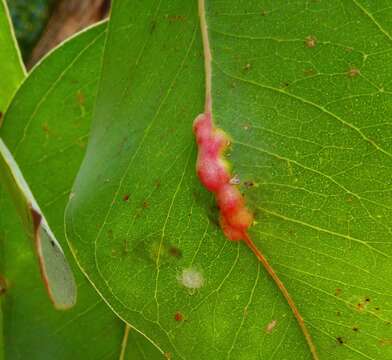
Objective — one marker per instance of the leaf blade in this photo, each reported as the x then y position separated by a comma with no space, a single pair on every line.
90,327
156,208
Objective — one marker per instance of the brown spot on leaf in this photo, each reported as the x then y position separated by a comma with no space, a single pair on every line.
175,18
310,41
145,205
338,291
178,316
363,304
340,340
249,184
355,328
167,355
45,128
80,98
174,251
353,72
264,12
126,197
3,285
153,26
384,342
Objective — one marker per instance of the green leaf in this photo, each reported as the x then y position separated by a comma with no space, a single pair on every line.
11,76
54,267
303,90
46,127
12,68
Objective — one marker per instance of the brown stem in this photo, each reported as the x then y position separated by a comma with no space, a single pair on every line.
249,242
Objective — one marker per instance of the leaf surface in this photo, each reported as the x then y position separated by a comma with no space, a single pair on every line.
302,89
57,97
53,265
13,72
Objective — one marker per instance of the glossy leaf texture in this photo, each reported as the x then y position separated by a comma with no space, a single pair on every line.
54,267
46,127
11,78
302,89
13,72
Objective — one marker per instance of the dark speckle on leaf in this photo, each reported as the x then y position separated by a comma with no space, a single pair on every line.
174,251
249,184
153,26
3,285
178,316
174,18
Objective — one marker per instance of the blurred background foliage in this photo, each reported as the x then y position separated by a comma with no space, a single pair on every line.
40,25
29,18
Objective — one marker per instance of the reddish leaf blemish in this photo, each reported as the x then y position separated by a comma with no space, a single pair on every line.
3,285
176,252
213,172
178,316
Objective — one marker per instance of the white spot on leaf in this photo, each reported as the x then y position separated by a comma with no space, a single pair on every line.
191,278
